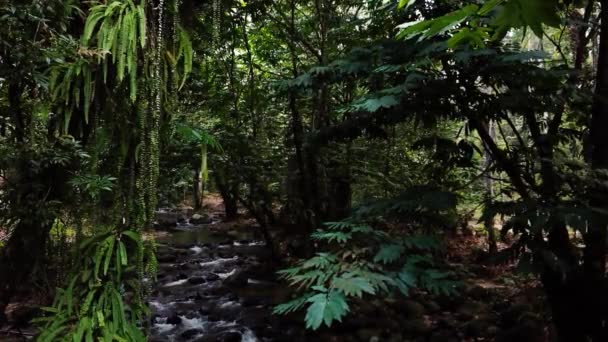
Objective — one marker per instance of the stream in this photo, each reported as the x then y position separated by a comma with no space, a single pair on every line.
214,285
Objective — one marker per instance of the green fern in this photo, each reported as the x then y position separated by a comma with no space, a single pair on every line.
65,83
373,263
325,308
340,237
293,305
92,306
118,27
389,253
353,286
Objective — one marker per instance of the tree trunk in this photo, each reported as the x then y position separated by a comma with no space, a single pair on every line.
196,190
302,177
25,251
489,194
23,254
594,258
229,194
15,91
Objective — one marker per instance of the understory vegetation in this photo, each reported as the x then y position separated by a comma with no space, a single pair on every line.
363,140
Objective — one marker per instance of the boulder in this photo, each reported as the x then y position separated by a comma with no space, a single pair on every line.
368,335
478,327
200,219
21,315
253,301
448,322
444,336
174,319
196,280
228,336
492,331
471,309
529,329
166,258
448,302
395,338
511,316
211,277
256,319
238,279
416,327
187,266
167,219
190,334
432,306
412,308
481,293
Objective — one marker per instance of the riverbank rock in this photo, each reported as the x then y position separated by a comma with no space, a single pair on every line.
368,335
196,280
174,319
200,219
412,308
166,258
190,334
211,277
167,219
229,336
238,279
416,327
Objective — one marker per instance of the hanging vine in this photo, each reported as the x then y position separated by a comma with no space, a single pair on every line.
216,22
126,46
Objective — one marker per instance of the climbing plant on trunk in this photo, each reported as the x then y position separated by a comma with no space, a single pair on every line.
131,58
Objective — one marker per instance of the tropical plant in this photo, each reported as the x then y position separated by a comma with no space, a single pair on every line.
92,306
362,259
367,262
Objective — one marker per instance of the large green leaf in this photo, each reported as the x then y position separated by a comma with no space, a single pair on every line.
389,253
353,286
373,104
325,308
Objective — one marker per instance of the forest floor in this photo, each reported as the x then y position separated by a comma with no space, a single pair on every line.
492,305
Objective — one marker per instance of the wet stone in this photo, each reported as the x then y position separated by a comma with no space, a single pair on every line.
190,333
200,219
238,279
196,280
211,277
412,308
166,258
174,319
252,301
229,336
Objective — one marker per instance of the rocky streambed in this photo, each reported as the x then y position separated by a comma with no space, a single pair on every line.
215,285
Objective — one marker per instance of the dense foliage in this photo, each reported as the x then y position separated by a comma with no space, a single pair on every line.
366,130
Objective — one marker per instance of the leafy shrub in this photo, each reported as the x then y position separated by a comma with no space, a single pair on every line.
361,261
92,307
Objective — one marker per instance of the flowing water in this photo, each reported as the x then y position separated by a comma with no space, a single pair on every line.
214,286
